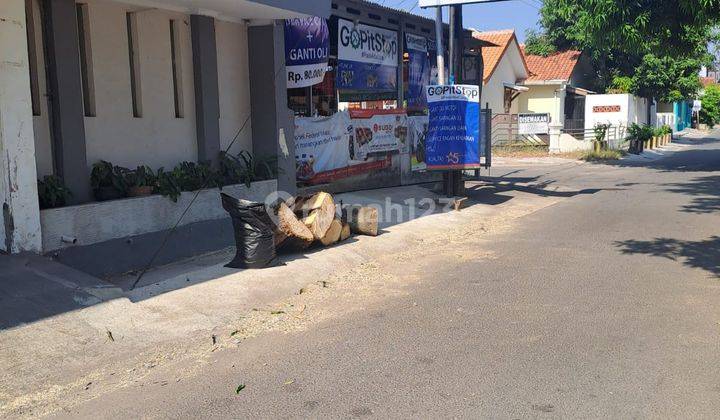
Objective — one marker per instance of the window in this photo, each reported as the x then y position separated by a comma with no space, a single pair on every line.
32,57
86,69
176,67
134,58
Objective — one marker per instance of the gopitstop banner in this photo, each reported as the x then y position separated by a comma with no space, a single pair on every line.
307,41
367,57
453,136
418,70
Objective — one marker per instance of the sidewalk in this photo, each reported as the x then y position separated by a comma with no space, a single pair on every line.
186,310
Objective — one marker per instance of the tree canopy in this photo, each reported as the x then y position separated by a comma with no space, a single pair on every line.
659,44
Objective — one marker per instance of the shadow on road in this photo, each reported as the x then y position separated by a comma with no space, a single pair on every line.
697,254
705,192
705,159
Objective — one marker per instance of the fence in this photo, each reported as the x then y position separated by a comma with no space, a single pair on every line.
614,136
504,132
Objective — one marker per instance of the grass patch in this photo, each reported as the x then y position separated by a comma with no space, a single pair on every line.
520,151
602,155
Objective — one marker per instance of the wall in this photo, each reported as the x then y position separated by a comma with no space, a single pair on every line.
510,69
234,84
543,99
157,138
98,222
19,217
623,117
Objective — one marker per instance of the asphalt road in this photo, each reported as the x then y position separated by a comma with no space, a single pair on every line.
605,304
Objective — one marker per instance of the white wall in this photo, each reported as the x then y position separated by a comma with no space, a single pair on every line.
157,138
510,69
19,212
623,117
234,84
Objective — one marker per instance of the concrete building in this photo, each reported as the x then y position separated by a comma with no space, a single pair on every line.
558,85
139,82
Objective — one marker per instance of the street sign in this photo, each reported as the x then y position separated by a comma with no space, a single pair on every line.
697,105
439,3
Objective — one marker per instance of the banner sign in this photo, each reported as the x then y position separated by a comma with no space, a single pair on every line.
417,128
367,57
307,41
331,148
453,137
436,3
321,144
418,70
375,130
534,123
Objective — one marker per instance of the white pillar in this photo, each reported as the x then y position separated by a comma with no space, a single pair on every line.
20,217
555,132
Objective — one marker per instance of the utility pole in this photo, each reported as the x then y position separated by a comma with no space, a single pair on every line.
439,45
454,182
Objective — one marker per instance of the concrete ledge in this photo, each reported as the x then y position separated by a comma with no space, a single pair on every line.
108,220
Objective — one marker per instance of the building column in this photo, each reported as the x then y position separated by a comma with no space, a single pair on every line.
66,101
20,220
273,123
207,95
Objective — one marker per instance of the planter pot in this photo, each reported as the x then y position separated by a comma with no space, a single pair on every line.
143,191
107,193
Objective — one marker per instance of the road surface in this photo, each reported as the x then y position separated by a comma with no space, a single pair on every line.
605,304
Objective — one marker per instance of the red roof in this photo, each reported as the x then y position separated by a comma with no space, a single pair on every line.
707,81
492,55
557,66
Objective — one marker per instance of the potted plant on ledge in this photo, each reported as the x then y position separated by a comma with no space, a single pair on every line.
107,181
140,182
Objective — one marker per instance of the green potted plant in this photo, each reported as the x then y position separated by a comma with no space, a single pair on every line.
107,181
600,132
52,192
140,182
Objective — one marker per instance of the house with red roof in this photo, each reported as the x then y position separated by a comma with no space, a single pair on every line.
557,85
504,70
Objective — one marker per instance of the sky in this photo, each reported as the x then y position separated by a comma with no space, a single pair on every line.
514,14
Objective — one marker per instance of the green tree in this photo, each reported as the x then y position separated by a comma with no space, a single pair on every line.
619,34
710,112
538,44
666,78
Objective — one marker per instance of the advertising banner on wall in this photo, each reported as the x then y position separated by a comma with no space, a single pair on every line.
367,57
418,70
534,123
417,131
376,130
331,148
307,41
453,137
321,145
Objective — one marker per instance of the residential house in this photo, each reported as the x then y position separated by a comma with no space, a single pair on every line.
504,70
557,85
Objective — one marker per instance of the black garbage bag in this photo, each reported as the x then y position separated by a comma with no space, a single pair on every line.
253,233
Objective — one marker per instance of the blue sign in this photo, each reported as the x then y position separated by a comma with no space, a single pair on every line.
367,57
307,41
453,137
418,70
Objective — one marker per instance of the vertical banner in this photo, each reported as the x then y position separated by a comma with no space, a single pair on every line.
418,128
367,57
418,70
307,41
453,137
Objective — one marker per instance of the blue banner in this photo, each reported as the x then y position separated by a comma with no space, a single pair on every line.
367,57
418,70
365,76
453,137
307,41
